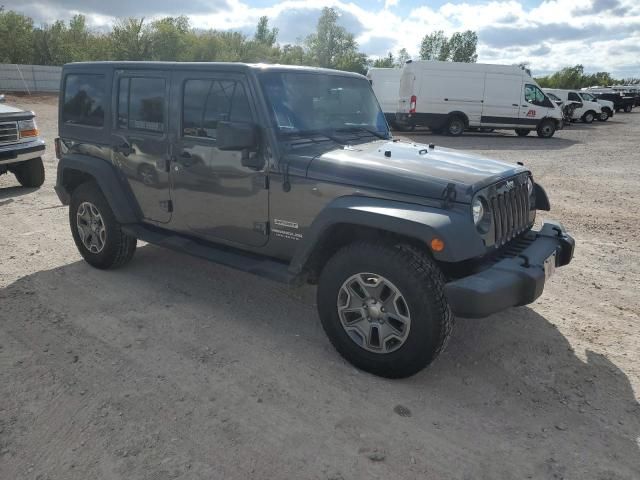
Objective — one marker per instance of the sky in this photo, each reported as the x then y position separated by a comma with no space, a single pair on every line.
602,35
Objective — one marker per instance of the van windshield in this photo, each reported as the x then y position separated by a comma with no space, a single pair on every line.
302,102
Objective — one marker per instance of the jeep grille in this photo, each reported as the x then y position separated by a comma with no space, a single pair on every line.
510,210
8,132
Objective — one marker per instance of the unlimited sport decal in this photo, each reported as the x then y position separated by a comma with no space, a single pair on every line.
282,233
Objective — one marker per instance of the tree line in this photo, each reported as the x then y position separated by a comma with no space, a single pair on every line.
174,39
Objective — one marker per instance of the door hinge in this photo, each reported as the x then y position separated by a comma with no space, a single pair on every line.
266,182
166,205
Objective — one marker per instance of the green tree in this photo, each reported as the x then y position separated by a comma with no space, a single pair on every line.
16,37
293,55
435,46
460,47
385,62
169,38
130,40
402,57
331,46
264,35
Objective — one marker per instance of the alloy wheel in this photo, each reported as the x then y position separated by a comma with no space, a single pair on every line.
373,313
91,228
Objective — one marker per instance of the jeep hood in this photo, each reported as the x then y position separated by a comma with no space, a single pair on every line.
409,168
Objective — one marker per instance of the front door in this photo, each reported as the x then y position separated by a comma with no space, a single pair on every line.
139,140
215,197
535,107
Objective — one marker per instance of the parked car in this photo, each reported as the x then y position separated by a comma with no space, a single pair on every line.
21,148
619,102
607,105
291,173
589,111
386,83
449,97
567,108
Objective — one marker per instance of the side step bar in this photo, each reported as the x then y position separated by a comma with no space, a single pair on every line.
222,254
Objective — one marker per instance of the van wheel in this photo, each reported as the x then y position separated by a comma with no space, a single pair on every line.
96,232
383,308
455,126
522,132
30,173
546,128
588,117
628,108
604,116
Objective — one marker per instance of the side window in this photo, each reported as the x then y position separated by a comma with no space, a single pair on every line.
141,103
573,96
533,94
207,102
84,100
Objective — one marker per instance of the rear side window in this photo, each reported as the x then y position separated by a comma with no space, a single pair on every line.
84,99
141,104
207,102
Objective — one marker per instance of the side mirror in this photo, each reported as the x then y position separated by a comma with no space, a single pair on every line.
237,136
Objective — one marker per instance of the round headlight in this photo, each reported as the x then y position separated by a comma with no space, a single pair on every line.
478,210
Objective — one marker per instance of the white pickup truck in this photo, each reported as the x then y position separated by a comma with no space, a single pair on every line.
21,147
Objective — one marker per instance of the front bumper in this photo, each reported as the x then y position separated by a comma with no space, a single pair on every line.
20,152
513,281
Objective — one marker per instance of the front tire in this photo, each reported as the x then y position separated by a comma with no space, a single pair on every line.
383,308
628,108
96,232
30,173
604,116
546,128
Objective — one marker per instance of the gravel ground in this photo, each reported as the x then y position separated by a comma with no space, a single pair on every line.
173,367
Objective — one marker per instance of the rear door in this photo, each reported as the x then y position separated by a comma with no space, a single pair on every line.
502,99
140,140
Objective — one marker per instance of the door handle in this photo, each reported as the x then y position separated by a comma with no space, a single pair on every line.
185,155
524,105
514,104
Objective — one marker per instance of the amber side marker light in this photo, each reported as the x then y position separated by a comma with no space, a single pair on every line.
437,245
28,128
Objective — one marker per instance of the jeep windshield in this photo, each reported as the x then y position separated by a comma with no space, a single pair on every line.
332,105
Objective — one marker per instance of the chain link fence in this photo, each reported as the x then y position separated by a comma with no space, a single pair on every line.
29,78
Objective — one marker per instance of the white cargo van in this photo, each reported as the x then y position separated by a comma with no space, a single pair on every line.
588,112
450,97
385,83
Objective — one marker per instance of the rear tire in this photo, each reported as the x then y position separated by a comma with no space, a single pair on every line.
628,109
588,117
96,232
546,128
522,132
455,126
351,303
30,173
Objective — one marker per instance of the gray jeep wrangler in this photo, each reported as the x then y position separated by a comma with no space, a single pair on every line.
21,148
291,173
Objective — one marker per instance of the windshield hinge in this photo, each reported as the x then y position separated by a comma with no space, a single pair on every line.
448,195
262,227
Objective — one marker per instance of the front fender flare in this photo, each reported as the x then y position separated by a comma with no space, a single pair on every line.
115,190
419,222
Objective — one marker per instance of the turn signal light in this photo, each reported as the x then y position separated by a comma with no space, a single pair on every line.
437,245
28,128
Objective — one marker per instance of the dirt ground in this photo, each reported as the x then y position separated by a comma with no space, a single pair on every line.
173,367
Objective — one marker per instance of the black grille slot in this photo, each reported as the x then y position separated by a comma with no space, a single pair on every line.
510,213
8,132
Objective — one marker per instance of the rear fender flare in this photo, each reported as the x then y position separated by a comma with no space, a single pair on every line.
116,190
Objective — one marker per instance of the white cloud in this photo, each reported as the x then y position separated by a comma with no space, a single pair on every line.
600,34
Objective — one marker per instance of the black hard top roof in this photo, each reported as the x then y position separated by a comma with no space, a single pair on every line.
225,66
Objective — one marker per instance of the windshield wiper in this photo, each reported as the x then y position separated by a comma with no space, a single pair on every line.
309,133
375,133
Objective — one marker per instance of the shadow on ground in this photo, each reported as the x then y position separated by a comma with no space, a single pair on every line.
508,399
